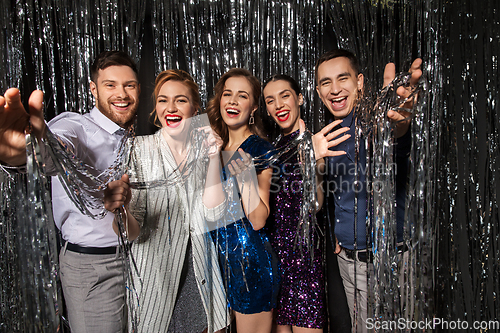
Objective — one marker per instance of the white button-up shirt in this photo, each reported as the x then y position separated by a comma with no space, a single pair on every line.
95,139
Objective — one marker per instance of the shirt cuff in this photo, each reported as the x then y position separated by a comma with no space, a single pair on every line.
21,169
216,213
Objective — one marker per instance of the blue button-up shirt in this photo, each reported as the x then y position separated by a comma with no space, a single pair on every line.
341,185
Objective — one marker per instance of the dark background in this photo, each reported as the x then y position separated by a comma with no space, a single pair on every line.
459,147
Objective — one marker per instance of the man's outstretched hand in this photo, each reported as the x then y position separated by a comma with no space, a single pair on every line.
399,117
14,121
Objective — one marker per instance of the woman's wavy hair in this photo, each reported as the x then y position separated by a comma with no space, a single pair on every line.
175,75
213,107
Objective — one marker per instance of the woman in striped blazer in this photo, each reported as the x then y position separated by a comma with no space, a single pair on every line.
177,286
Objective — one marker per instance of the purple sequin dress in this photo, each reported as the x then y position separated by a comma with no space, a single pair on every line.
302,292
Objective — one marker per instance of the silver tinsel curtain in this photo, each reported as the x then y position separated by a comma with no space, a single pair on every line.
207,38
452,218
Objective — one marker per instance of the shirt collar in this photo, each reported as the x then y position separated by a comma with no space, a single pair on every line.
107,124
349,119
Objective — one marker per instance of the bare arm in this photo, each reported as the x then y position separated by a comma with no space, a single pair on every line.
259,215
320,171
213,194
254,192
321,142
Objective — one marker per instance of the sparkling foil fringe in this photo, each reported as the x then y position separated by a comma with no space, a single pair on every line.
207,38
388,295
83,183
453,195
467,190
30,298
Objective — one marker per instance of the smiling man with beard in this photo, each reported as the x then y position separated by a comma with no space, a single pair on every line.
91,265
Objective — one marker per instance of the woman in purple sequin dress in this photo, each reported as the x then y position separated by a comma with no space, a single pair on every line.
301,298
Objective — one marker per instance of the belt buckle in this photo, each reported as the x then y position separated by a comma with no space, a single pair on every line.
402,248
364,253
350,254
355,255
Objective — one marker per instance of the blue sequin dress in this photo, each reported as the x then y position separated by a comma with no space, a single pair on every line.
249,264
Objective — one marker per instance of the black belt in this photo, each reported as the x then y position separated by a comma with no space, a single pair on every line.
366,255
91,250
359,255
402,248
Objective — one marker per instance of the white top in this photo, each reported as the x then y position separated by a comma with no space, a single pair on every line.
94,139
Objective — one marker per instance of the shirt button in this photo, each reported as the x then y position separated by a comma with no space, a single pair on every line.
203,281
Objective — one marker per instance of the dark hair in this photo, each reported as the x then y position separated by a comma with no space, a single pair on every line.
335,54
213,107
282,77
175,75
111,58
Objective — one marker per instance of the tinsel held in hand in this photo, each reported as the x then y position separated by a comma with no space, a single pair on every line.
307,224
388,298
30,300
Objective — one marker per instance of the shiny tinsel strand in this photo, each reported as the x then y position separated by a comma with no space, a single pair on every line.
454,199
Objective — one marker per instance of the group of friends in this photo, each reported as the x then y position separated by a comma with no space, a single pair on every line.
192,272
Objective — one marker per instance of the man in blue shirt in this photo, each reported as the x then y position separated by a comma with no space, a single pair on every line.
339,84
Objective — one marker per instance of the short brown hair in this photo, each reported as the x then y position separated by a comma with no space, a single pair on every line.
336,54
175,75
111,58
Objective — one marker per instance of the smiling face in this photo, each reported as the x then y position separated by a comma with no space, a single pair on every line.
236,103
283,104
338,86
174,106
117,94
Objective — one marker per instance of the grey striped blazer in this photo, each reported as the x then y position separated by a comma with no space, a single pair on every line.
169,216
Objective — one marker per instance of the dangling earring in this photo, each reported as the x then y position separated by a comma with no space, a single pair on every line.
251,121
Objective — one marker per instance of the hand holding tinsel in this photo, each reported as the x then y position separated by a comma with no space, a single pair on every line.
244,171
405,88
14,121
326,139
117,196
212,143
241,167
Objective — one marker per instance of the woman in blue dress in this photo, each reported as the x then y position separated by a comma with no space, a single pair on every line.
250,267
